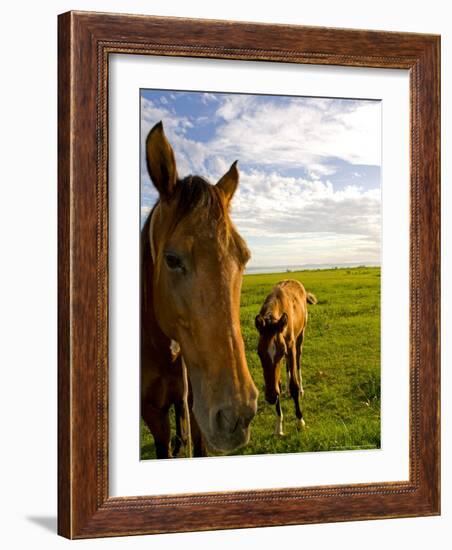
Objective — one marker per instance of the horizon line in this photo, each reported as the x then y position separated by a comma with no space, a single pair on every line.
309,267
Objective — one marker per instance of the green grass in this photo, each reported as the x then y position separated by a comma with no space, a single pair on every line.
340,365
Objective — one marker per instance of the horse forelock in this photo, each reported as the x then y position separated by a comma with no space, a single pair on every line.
196,197
194,193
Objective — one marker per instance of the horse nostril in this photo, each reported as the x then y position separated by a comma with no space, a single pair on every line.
227,420
248,414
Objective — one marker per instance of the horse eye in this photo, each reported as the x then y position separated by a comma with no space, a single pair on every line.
174,262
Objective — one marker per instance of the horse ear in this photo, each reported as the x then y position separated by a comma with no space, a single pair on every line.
259,321
282,322
229,182
161,162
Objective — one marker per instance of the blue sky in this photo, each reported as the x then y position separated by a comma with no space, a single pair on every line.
310,168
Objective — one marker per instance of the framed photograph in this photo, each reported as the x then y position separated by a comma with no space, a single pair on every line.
248,275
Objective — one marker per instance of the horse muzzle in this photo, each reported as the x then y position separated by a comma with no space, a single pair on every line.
230,427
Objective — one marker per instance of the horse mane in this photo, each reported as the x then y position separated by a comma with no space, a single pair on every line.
146,270
194,192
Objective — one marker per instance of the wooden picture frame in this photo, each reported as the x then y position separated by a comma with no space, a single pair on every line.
85,42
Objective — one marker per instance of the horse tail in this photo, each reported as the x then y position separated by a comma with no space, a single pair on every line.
310,298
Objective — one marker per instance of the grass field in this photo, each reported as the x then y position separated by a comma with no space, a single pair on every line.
340,365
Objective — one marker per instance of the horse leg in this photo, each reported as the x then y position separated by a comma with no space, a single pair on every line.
181,428
287,382
279,418
295,386
299,347
158,423
199,447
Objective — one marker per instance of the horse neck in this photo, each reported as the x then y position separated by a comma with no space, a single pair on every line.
151,333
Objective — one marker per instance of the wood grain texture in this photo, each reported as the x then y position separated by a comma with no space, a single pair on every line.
85,42
64,295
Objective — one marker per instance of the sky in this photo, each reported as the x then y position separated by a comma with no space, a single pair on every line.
309,191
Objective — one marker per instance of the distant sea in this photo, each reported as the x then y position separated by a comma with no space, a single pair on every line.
303,267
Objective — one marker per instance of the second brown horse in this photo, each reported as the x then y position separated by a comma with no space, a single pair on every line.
281,323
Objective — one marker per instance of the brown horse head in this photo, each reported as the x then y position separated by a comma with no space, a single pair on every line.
271,349
198,263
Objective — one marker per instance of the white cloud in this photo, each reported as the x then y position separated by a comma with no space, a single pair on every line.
310,134
299,133
286,220
299,221
313,250
283,205
234,106
208,98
